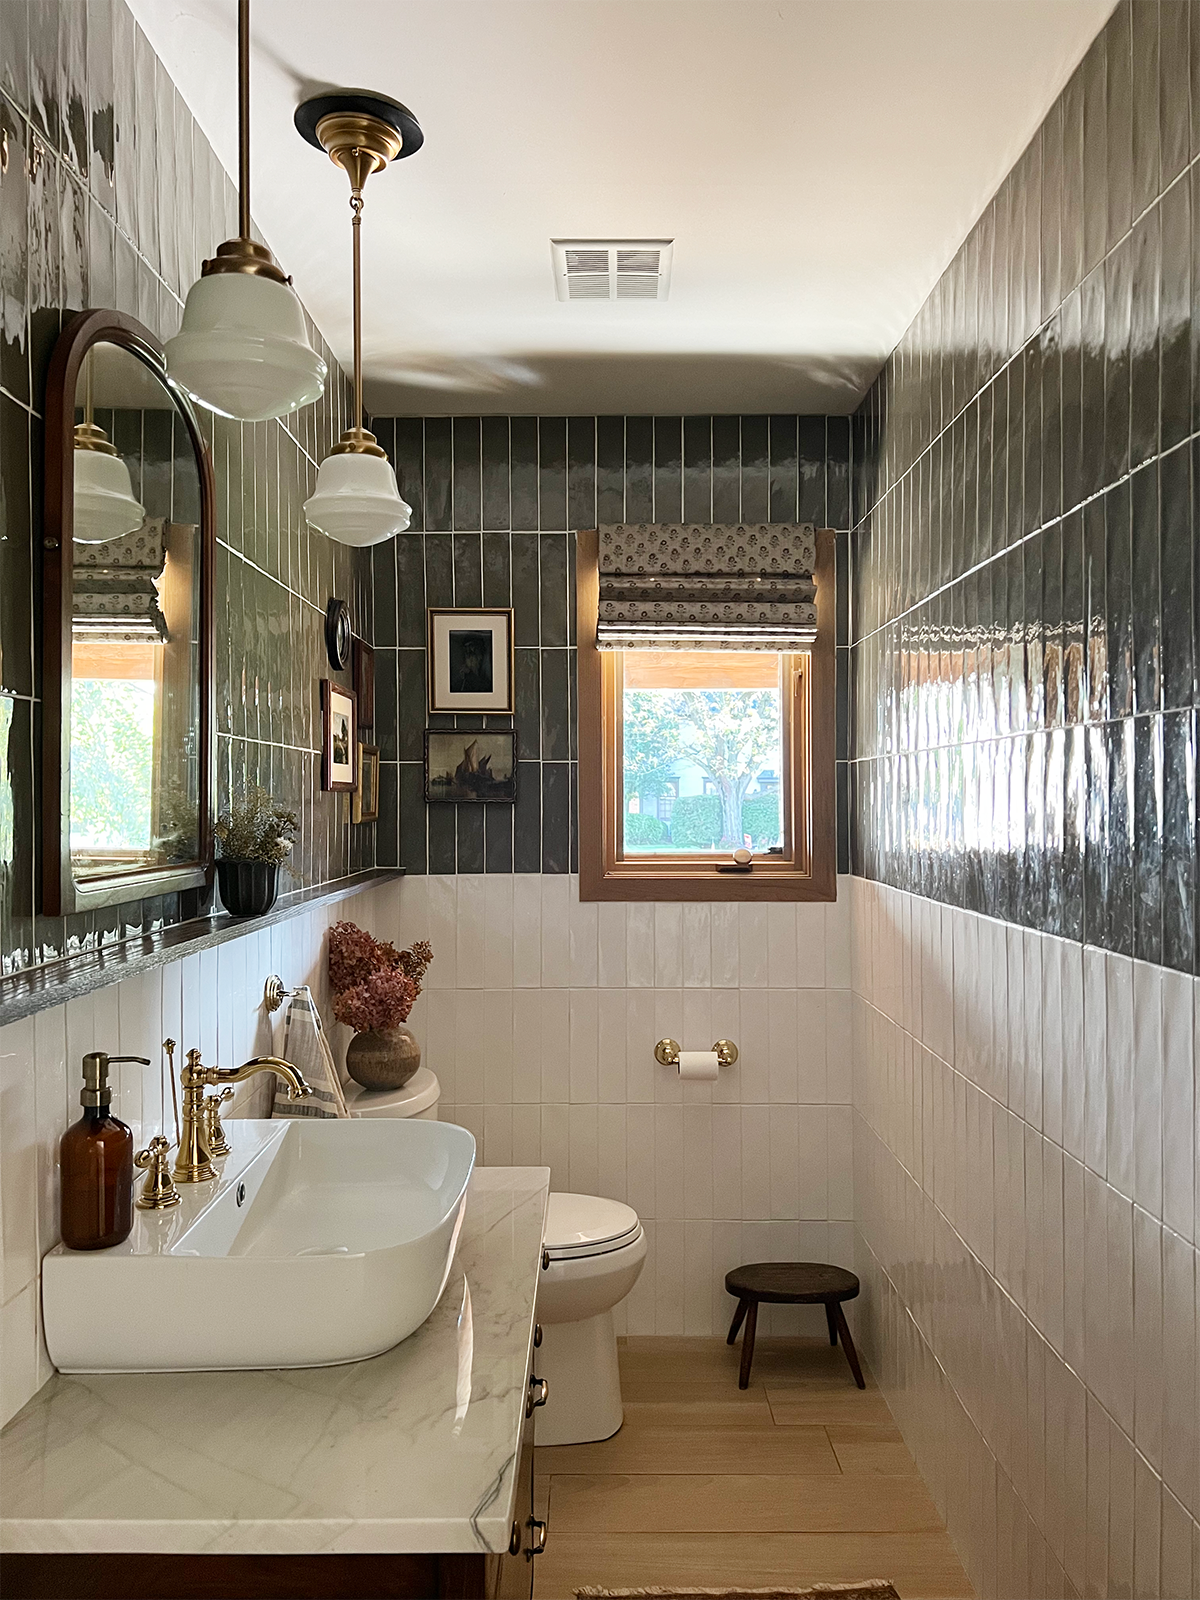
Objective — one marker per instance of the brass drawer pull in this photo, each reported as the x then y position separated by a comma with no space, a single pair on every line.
531,1404
545,1259
537,1336
538,1529
514,1540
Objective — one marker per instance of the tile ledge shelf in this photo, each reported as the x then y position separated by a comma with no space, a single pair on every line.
34,989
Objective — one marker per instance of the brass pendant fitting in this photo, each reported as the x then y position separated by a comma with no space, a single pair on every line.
358,442
244,255
358,143
89,437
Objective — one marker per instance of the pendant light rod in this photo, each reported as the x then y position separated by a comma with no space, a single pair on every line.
244,118
356,206
360,143
243,254
357,499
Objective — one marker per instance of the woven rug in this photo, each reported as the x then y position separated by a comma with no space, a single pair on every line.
872,1589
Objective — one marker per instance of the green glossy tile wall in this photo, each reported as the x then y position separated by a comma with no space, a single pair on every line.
110,196
495,502
1026,588
1026,1010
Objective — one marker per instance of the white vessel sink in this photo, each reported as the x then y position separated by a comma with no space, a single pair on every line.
321,1242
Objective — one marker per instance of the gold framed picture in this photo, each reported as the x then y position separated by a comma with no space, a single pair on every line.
365,805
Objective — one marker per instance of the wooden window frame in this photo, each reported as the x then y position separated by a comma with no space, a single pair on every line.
812,875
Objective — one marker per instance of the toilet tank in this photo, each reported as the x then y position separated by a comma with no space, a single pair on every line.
418,1098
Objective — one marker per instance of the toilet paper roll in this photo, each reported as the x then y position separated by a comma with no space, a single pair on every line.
700,1065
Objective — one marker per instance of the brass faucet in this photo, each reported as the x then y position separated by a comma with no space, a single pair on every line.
193,1164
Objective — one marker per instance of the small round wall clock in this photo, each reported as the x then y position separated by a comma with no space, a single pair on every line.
337,633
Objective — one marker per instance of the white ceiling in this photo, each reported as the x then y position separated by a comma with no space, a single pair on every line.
817,163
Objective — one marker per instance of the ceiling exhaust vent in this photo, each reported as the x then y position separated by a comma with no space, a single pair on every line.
612,269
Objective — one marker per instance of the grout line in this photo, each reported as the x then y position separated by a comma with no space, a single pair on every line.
1053,522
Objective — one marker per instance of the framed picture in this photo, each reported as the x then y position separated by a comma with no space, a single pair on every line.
470,660
365,805
364,683
339,742
462,765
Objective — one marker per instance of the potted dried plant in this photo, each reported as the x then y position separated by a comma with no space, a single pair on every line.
254,836
374,987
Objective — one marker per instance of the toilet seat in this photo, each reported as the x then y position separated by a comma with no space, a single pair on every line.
582,1225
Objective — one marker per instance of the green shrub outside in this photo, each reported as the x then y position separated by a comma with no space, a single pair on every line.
696,822
641,830
760,819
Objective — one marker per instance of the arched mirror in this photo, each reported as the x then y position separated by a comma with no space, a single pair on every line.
128,639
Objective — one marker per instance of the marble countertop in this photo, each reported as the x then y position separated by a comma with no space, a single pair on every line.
413,1450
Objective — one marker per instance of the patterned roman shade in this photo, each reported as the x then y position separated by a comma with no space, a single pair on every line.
705,586
116,589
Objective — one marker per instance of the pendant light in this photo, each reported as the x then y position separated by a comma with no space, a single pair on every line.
242,349
357,500
104,504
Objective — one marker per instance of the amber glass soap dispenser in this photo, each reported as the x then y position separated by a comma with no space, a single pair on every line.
97,1165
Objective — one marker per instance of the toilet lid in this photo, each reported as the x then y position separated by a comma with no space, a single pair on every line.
586,1224
418,1094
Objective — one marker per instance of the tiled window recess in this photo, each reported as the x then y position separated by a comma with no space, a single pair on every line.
111,197
1024,735
491,499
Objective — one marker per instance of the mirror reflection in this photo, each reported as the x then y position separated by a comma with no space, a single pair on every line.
135,627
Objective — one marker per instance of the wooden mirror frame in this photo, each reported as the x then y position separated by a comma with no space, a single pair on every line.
61,894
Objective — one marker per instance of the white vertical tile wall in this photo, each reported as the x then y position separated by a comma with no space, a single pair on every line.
540,1020
212,999
1027,1216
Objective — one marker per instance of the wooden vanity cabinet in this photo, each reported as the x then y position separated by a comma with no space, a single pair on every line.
511,1576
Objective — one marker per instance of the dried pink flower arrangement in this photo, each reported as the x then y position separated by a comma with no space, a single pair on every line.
374,984
380,1002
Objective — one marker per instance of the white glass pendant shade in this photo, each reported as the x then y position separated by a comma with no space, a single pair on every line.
242,349
104,503
357,500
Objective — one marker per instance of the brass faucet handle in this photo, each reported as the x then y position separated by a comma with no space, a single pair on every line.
214,1133
158,1191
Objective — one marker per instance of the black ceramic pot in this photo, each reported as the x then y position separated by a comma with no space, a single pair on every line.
248,888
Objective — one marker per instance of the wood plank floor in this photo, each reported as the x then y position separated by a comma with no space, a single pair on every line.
799,1479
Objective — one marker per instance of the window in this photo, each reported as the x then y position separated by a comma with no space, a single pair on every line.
685,755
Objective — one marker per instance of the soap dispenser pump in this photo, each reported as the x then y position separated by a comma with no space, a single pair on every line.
96,1207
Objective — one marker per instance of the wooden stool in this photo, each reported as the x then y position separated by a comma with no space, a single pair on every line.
791,1283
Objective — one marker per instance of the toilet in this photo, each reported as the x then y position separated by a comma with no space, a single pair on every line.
593,1254
418,1098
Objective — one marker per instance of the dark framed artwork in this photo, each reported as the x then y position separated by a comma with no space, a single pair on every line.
339,741
364,682
470,660
365,805
464,766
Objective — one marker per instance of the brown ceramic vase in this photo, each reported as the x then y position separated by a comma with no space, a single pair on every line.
386,1059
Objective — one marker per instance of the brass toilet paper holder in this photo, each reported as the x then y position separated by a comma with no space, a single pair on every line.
666,1052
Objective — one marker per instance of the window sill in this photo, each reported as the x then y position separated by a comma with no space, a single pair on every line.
706,883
